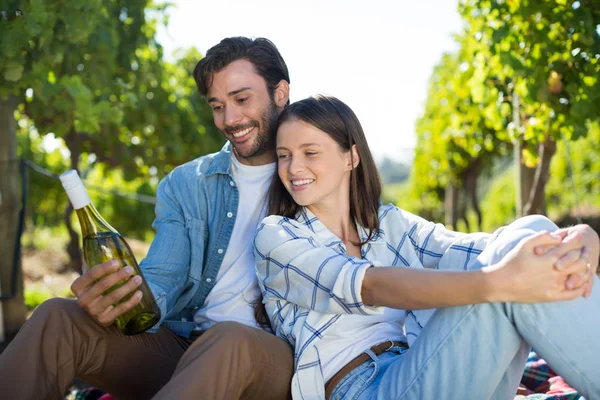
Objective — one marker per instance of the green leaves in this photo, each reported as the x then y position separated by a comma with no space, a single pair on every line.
546,52
101,84
12,71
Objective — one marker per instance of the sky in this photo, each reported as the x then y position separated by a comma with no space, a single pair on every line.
374,55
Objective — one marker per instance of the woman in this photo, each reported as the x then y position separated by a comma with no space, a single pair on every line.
361,330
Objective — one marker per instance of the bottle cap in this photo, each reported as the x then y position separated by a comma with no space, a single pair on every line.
73,185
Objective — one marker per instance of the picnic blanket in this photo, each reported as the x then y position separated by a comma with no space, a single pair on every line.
539,382
542,383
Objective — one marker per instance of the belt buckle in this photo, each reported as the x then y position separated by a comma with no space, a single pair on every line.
391,345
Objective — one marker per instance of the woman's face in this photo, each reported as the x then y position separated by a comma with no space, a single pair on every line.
311,165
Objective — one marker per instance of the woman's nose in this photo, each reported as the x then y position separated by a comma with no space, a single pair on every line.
296,165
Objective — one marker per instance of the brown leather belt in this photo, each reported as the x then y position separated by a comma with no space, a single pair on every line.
377,350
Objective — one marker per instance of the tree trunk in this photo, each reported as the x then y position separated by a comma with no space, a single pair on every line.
12,310
461,208
450,205
536,202
523,174
471,188
73,250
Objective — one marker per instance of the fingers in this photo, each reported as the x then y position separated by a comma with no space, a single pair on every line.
576,281
93,293
104,302
561,233
570,294
566,262
590,282
542,239
111,313
571,242
89,277
588,287
543,249
577,272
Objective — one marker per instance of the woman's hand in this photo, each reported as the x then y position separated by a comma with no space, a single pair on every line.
585,235
526,277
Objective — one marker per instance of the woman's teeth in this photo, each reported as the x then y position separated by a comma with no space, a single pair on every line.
302,182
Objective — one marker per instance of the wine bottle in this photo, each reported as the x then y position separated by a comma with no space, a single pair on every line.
101,243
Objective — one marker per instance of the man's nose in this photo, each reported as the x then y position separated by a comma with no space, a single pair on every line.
232,116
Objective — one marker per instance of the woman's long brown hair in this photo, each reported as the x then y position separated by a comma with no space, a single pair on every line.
336,119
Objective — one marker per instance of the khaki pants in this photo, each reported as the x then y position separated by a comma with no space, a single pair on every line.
61,341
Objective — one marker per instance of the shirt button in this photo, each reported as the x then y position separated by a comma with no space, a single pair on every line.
229,214
231,183
220,251
208,280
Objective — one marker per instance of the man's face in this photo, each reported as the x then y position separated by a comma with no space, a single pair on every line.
244,112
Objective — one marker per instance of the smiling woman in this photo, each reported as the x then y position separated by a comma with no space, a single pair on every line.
312,163
380,303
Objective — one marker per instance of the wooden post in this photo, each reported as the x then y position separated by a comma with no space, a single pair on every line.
451,205
516,108
12,310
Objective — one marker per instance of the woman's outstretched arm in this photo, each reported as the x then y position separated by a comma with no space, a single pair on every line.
522,276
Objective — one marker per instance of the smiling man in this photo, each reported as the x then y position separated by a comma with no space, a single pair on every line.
245,109
200,268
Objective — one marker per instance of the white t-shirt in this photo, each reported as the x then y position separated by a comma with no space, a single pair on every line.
236,288
341,344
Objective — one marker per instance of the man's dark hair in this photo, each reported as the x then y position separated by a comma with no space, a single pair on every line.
261,52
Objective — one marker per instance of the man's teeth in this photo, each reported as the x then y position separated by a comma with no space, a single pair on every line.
242,133
302,182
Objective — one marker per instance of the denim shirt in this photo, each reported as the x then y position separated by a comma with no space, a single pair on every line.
196,209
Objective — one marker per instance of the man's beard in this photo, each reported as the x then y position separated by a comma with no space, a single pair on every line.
264,140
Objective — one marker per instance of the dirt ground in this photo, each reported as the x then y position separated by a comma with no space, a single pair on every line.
44,270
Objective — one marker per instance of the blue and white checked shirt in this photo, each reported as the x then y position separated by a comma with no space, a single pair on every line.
308,281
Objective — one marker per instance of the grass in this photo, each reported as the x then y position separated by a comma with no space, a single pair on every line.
36,296
44,258
46,238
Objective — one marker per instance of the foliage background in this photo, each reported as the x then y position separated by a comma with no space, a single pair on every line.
94,92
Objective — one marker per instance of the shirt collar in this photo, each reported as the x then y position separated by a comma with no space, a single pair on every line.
307,218
221,163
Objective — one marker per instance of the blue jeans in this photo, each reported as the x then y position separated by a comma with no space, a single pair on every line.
479,351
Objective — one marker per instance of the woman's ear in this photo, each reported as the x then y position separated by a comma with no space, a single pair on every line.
282,93
354,160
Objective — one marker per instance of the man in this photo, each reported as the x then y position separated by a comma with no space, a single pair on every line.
200,268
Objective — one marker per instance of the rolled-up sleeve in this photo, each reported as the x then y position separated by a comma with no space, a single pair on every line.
438,247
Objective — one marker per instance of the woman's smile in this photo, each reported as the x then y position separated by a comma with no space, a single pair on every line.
301,184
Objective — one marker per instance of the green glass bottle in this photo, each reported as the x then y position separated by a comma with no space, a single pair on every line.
101,243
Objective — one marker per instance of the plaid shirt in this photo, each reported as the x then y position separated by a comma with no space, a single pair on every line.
308,281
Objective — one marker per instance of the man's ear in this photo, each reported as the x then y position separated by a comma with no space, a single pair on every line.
282,93
354,160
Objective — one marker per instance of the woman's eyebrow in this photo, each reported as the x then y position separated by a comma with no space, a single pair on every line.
302,145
